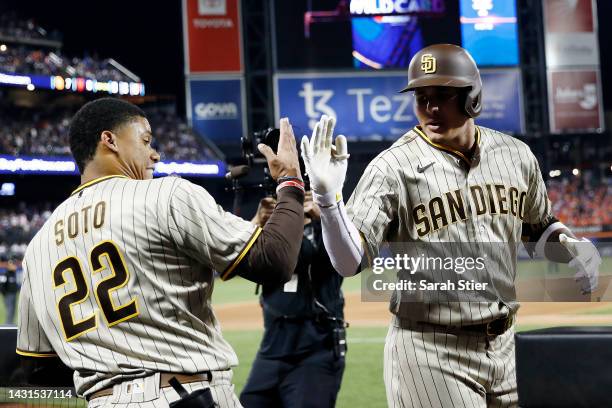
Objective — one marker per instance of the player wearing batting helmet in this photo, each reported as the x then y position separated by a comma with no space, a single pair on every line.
449,181
117,283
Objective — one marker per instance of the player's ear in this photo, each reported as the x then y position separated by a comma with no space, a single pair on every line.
109,139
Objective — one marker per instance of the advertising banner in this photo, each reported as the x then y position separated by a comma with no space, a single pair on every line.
368,106
570,33
217,108
574,100
489,31
212,36
502,101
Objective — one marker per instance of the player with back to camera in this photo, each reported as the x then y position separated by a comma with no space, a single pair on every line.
446,354
118,281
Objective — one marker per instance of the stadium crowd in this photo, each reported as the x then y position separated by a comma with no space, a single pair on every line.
33,133
37,133
175,140
21,56
22,60
579,203
19,225
575,203
12,26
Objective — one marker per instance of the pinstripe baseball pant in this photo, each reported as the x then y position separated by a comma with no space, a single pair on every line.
152,396
424,368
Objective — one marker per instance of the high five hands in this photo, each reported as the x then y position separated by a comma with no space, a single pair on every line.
325,162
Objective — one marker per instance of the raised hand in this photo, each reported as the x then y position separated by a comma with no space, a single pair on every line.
325,162
285,161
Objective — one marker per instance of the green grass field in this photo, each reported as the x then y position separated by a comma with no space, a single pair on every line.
241,290
362,384
3,310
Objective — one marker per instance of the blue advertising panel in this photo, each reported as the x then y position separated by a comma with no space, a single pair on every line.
489,31
217,109
502,95
368,106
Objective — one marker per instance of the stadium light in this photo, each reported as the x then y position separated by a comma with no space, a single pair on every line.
554,173
575,172
7,189
2,47
65,165
77,84
30,87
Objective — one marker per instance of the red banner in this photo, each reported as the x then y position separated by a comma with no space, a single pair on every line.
574,101
213,36
570,33
563,16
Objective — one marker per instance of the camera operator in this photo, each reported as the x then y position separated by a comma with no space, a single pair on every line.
301,357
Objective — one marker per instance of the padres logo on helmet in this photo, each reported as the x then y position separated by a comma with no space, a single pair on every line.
428,63
447,65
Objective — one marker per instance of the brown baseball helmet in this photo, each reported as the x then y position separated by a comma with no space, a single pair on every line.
447,65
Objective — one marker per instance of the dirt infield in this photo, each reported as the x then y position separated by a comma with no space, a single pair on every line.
247,315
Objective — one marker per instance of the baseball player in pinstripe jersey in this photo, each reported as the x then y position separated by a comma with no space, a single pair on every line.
118,281
446,180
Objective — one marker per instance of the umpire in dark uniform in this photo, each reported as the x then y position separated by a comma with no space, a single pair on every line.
301,357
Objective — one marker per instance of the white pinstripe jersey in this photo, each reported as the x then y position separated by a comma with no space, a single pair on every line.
118,281
419,191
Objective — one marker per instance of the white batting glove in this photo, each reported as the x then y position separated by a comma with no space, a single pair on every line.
325,163
585,261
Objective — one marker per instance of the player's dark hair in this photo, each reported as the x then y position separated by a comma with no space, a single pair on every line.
92,119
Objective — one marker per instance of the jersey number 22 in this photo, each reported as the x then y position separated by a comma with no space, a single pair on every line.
113,314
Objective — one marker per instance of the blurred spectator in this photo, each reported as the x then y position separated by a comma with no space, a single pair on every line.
22,60
34,133
18,226
12,26
175,140
37,60
9,288
39,133
581,204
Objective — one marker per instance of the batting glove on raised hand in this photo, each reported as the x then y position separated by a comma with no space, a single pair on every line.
325,163
585,261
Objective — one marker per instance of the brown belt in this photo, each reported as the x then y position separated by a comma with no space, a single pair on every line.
490,329
494,328
163,382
